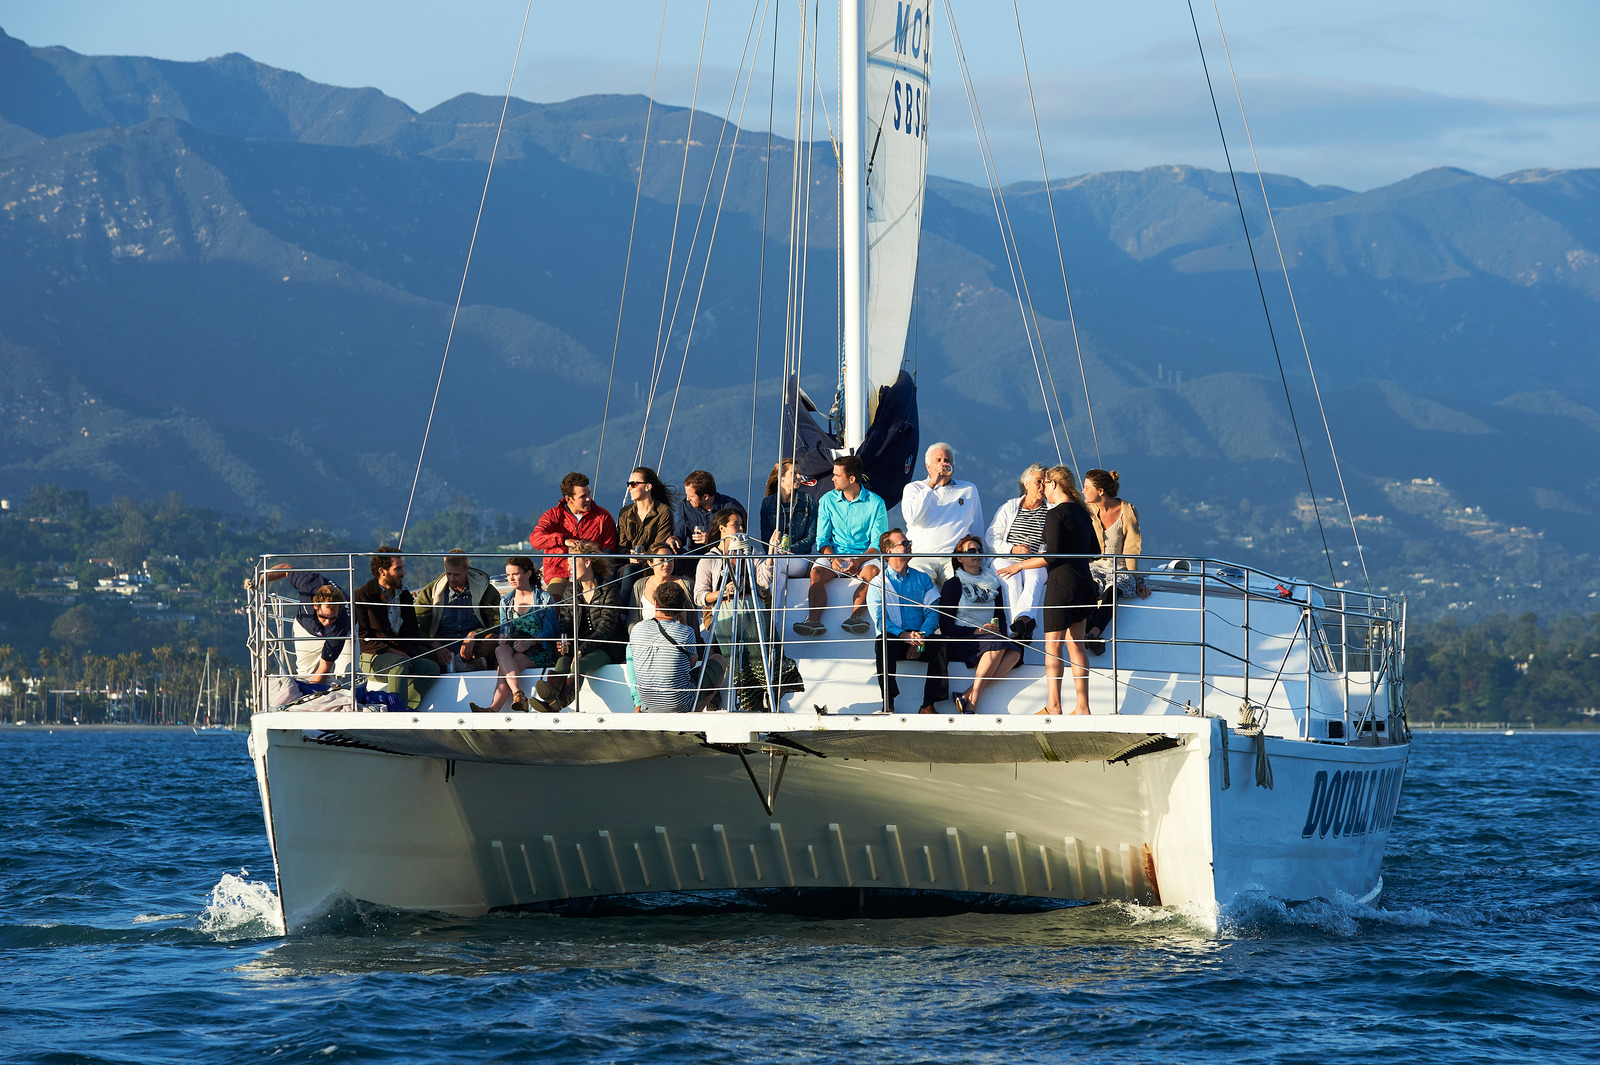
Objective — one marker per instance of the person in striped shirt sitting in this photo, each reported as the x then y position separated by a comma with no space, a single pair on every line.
663,652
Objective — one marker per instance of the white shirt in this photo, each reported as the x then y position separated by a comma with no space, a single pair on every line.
936,518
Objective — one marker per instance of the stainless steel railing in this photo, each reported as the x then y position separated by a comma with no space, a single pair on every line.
1348,640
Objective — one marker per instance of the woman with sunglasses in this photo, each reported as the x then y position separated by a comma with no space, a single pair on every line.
644,524
972,603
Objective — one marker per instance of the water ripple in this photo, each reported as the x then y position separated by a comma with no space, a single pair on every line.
129,940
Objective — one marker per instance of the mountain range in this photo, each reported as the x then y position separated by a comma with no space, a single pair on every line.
228,280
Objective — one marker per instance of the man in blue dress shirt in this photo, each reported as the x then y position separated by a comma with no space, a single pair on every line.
902,603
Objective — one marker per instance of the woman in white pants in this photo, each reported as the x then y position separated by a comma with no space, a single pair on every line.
1018,529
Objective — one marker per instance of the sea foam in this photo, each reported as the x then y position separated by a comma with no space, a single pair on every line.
240,908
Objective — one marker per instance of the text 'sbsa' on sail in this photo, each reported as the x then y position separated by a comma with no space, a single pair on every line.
897,41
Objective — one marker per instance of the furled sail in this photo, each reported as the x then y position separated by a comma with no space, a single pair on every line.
894,98
897,43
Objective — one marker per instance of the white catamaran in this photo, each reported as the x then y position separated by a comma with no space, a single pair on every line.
1247,732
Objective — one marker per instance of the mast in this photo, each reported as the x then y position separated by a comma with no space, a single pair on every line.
200,696
853,127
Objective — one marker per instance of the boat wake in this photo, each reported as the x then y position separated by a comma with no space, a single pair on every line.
240,908
1257,916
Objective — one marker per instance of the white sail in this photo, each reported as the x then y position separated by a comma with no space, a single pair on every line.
898,35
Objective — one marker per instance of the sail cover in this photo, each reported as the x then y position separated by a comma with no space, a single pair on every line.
888,453
898,36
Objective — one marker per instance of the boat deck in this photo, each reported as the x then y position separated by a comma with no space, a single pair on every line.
1218,641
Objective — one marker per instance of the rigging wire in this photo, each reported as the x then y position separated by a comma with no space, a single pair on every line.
1007,237
465,269
658,357
799,172
716,218
761,270
792,283
633,224
1261,288
1293,304
807,119
1055,229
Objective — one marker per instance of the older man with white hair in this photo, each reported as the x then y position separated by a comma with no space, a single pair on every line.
938,512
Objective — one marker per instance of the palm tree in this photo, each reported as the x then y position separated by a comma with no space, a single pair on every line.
8,660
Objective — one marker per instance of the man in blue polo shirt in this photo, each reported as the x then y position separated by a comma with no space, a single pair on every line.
850,519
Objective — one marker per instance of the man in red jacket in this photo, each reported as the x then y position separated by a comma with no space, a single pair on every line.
576,517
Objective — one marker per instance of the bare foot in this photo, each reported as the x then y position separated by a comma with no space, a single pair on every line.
1080,710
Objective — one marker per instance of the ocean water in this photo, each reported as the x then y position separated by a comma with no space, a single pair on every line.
137,925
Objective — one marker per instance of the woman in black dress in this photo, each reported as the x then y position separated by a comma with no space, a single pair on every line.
1069,589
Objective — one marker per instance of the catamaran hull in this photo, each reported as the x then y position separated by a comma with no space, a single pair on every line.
1166,827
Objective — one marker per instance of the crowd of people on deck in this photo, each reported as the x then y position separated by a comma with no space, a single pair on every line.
671,585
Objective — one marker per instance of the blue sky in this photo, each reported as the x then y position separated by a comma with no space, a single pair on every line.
1359,94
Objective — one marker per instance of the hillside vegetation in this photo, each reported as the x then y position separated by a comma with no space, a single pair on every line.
226,280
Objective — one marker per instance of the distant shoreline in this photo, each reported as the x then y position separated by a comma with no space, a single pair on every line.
1502,729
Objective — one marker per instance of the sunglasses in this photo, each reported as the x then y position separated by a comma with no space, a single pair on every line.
636,484
967,551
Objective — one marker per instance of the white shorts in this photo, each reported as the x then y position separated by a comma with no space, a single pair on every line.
824,562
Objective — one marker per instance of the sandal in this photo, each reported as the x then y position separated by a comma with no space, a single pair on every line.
962,706
476,709
519,701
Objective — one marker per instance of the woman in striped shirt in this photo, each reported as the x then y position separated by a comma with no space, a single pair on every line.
1018,529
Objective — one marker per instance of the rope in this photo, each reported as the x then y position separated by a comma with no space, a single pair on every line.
1007,237
460,292
1055,229
658,357
638,190
1261,289
1293,305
